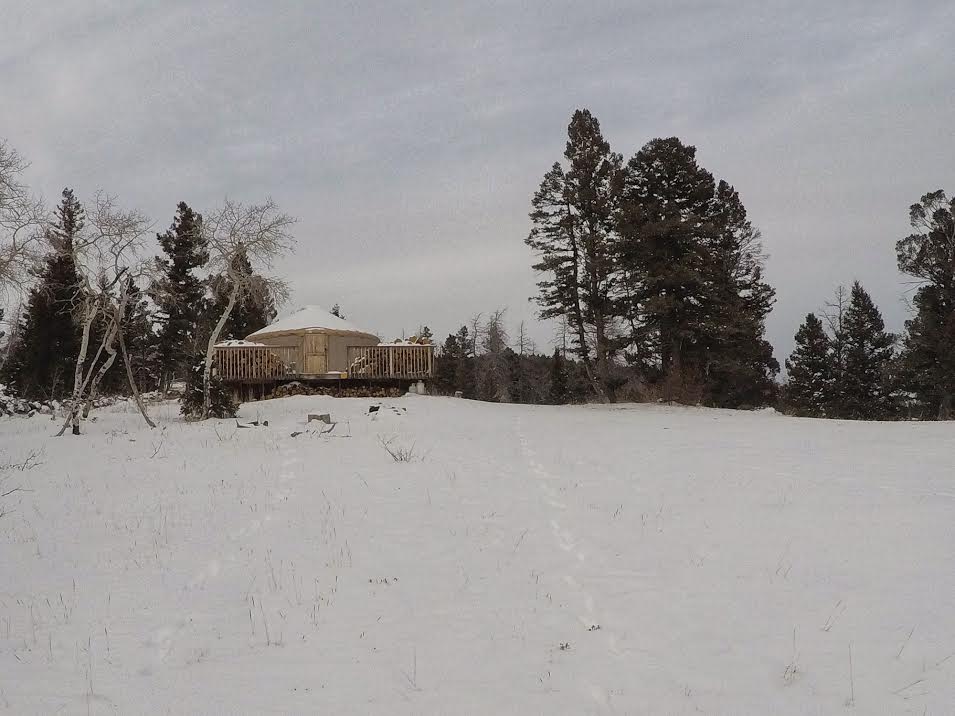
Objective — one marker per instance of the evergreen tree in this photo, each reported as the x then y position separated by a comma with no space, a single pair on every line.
141,343
464,373
178,293
738,360
573,233
446,364
868,354
494,366
810,370
666,228
558,379
41,363
691,285
928,254
835,317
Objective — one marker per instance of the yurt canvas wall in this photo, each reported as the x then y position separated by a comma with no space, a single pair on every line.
322,339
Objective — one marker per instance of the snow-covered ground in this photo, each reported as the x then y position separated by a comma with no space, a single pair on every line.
528,560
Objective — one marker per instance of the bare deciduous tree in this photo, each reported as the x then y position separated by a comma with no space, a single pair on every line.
834,313
106,255
22,217
524,343
495,379
259,233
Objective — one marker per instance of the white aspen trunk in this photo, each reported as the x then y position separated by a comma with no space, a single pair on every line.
109,345
90,309
210,351
132,380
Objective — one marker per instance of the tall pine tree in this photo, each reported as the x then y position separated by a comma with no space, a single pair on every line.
867,355
41,363
664,213
739,366
691,286
928,254
574,235
810,370
179,294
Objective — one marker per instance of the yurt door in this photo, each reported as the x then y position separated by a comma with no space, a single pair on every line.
316,353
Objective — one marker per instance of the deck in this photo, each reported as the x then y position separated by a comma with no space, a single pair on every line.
274,364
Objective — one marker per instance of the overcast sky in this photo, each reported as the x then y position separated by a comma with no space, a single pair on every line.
409,137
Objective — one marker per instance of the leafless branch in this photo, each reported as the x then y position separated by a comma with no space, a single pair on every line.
105,253
22,217
242,239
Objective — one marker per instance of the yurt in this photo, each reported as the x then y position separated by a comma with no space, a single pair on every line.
321,339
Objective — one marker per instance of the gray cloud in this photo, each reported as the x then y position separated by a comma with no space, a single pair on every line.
409,137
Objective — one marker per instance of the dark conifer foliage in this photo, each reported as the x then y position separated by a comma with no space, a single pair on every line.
868,354
445,365
664,222
464,373
141,343
179,293
41,363
500,374
574,235
656,260
835,313
739,367
454,365
810,371
495,370
558,390
691,286
928,255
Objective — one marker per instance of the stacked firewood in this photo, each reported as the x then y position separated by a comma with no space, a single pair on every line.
350,391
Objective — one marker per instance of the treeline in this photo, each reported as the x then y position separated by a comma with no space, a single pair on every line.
483,362
657,274
168,321
848,366
102,316
650,265
653,265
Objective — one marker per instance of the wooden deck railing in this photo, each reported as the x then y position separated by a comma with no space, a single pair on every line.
249,364
256,363
391,361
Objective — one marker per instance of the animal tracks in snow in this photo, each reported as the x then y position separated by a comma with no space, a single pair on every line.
566,541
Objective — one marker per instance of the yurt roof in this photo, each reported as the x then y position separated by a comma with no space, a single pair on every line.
310,318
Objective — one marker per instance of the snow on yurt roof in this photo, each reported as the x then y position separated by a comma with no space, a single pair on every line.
310,318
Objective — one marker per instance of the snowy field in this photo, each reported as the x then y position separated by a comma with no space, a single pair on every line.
527,560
